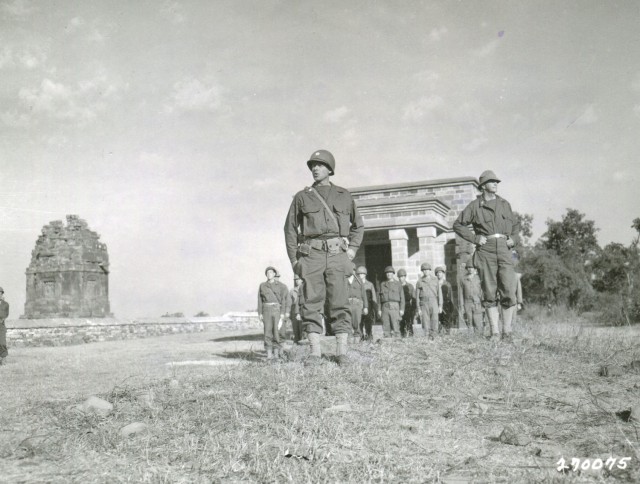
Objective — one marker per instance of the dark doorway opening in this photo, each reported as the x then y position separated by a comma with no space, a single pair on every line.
377,257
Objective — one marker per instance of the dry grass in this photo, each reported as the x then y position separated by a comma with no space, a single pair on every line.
407,411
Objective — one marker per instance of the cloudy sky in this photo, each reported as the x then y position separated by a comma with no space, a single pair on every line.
180,129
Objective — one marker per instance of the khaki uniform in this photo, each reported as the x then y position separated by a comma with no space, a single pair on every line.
366,326
472,295
273,304
295,299
358,303
392,302
429,300
319,247
4,314
495,220
447,316
406,323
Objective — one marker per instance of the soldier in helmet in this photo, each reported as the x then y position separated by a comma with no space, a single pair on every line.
446,317
392,304
273,300
323,231
429,301
495,233
4,314
358,303
472,296
296,299
406,323
366,326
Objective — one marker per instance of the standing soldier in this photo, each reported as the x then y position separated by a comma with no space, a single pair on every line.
406,324
295,299
495,232
391,303
283,329
323,230
429,300
358,303
366,327
273,300
446,317
4,314
472,296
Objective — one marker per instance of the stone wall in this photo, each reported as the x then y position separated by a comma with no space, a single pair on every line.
63,332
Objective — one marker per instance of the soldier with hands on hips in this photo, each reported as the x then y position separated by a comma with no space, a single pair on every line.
273,305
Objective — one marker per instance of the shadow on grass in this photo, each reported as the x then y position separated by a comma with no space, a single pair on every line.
241,337
243,355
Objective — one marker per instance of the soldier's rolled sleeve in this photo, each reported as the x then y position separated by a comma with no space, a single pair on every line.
291,225
356,232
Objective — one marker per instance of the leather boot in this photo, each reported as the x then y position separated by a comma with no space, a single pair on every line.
315,356
507,315
494,321
342,344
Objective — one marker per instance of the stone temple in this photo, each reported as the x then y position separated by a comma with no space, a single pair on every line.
68,276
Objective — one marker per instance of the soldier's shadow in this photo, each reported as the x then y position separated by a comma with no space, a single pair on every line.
241,337
243,355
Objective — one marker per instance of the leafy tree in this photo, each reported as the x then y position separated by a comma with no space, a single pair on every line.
571,238
525,220
201,314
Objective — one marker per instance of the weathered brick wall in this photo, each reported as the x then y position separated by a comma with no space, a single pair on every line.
62,332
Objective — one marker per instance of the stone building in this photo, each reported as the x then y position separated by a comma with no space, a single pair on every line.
69,273
407,224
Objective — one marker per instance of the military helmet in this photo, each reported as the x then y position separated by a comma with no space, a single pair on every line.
271,268
440,269
425,266
324,157
487,176
389,269
361,270
402,272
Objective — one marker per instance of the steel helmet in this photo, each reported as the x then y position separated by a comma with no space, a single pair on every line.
440,269
402,272
361,270
271,268
425,266
389,269
324,157
487,176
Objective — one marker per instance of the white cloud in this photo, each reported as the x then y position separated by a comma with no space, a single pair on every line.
6,56
588,116
31,60
18,8
336,115
436,34
422,107
488,48
79,104
636,109
193,95
475,143
635,84
173,11
96,36
14,119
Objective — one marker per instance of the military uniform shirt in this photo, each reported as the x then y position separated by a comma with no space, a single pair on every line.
357,290
391,291
4,310
428,288
471,289
273,292
487,218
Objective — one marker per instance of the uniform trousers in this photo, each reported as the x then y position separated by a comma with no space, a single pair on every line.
391,318
474,313
494,263
356,306
270,317
3,340
429,317
325,281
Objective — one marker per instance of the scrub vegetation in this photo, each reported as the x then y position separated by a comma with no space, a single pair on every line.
460,409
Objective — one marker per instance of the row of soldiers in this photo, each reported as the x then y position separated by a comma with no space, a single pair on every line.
398,304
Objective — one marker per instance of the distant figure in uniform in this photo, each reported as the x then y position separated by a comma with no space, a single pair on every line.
4,314
406,323
283,329
446,316
391,304
358,303
366,326
429,300
472,296
273,300
296,299
495,233
323,231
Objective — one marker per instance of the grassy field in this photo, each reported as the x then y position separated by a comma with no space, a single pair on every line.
406,410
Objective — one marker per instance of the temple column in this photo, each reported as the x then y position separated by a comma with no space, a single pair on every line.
427,245
399,248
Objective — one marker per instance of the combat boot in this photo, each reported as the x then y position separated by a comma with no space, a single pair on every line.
342,343
269,353
507,316
494,322
315,352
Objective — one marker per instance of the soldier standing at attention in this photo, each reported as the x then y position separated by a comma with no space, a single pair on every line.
273,300
392,304
406,324
323,231
429,300
366,326
295,299
472,296
495,232
446,317
358,303
4,314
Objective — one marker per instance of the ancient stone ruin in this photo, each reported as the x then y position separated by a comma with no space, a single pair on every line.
68,276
